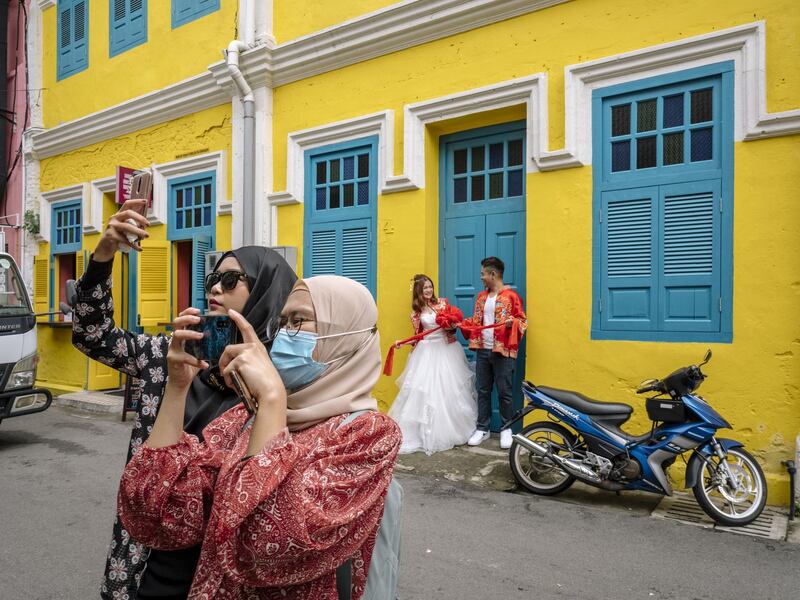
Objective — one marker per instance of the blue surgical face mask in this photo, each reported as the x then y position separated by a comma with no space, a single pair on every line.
292,356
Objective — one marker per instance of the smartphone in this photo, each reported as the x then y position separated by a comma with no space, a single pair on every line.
218,332
141,188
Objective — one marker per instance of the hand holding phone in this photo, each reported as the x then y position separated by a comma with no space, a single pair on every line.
218,332
141,188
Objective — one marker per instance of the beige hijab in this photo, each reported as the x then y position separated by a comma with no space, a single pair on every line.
341,305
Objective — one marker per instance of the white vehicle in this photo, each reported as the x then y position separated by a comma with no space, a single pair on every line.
18,356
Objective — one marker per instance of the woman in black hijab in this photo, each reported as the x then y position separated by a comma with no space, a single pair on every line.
257,285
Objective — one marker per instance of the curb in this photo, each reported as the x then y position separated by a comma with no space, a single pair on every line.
93,402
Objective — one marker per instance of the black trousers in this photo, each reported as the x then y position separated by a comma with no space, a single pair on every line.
494,369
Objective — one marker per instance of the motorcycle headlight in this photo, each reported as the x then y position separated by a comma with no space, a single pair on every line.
24,373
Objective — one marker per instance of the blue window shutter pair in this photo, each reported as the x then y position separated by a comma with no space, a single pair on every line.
663,227
661,267
185,11
343,248
73,37
127,24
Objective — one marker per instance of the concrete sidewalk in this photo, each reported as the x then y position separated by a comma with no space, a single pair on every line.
92,402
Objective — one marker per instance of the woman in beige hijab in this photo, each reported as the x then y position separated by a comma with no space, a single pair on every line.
281,497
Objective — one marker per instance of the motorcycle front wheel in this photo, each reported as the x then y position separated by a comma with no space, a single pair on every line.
534,473
737,504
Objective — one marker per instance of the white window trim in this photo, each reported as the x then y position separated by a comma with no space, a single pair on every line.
72,192
380,124
163,173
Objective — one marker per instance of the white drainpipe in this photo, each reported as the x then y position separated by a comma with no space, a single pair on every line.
248,100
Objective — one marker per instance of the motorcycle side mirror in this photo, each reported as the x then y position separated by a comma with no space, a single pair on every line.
706,358
72,295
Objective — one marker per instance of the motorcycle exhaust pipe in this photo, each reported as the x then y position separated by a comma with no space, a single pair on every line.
573,467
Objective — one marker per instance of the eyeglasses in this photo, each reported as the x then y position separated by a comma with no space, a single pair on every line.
292,325
227,279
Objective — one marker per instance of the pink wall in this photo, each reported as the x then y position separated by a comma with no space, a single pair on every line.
17,100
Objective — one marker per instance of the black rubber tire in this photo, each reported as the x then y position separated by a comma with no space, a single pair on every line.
514,457
713,512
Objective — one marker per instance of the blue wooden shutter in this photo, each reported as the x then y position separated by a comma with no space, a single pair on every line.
73,34
689,287
356,255
128,24
184,11
628,259
323,247
201,245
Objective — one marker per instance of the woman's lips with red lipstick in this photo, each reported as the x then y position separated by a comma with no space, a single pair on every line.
213,303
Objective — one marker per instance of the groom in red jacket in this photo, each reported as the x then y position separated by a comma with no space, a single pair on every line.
496,346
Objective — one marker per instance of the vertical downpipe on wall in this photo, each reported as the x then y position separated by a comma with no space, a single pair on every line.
248,154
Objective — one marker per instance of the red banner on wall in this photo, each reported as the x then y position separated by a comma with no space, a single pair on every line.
124,175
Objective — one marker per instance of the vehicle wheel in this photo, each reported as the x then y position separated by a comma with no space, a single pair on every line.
732,505
534,473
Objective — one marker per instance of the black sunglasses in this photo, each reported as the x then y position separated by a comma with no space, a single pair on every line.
227,279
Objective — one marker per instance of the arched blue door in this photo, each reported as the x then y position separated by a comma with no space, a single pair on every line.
482,200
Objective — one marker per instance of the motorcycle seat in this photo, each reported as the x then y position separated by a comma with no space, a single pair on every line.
587,405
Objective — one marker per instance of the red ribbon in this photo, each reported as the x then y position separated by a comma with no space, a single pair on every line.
467,330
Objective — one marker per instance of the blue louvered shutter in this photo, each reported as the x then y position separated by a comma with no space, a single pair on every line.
184,11
323,248
128,24
201,245
356,255
689,287
72,39
628,259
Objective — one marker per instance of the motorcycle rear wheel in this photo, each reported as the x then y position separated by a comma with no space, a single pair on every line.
727,505
537,474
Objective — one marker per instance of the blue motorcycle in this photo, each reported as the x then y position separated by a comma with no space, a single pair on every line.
585,441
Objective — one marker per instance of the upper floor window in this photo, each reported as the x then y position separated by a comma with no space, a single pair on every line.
185,11
127,25
663,227
73,37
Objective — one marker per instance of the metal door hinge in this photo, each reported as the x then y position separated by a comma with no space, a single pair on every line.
600,305
720,304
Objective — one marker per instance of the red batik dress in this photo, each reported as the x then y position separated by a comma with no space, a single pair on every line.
276,525
435,407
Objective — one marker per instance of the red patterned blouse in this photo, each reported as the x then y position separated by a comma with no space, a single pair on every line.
276,525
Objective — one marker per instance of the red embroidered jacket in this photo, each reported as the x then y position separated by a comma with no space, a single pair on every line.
276,525
508,306
446,316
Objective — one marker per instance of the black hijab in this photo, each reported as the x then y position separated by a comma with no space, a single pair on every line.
270,281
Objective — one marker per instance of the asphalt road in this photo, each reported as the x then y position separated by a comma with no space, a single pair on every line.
59,472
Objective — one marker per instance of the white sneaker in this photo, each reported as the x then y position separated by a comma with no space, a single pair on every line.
478,437
505,439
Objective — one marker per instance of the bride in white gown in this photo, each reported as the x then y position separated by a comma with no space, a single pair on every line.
436,406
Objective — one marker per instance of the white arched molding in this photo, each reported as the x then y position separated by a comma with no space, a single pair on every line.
745,45
380,124
79,191
213,161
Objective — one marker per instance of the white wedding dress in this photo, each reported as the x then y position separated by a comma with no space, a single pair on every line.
436,407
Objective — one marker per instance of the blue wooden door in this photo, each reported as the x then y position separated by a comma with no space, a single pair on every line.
482,200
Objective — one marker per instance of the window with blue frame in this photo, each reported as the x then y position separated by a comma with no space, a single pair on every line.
191,228
72,37
186,11
65,247
663,182
127,25
341,196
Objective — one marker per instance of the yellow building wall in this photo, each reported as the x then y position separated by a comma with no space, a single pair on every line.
62,366
754,381
293,19
168,56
